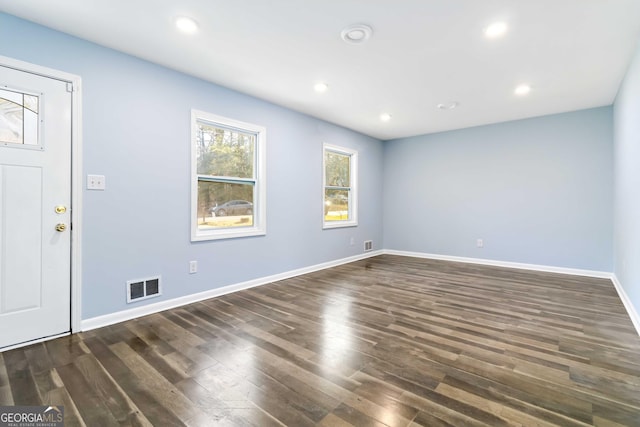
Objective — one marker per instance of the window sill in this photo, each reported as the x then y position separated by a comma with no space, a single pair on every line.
339,224
227,234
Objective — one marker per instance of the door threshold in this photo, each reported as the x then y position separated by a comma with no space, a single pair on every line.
36,341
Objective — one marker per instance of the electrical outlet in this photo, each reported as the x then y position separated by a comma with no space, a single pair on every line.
352,241
96,182
193,267
480,243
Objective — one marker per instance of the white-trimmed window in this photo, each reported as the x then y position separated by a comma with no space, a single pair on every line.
228,194
340,191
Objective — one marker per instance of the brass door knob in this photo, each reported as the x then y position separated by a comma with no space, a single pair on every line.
61,227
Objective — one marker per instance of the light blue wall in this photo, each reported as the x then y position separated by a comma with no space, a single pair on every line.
537,191
136,132
626,120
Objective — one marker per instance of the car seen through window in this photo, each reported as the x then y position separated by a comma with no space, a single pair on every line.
233,207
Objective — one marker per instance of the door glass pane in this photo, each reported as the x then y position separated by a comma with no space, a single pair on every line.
225,152
336,205
18,118
337,172
224,205
31,103
30,135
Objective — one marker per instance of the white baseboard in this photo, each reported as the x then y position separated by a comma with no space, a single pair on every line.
506,264
133,313
633,314
121,316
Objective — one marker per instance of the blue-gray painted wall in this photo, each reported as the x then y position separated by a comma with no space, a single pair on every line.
136,132
537,191
627,183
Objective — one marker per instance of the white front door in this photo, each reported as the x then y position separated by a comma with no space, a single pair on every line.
35,207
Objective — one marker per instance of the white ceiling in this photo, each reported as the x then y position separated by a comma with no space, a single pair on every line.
573,53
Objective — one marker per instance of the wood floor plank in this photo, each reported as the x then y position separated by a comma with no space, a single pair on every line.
141,331
434,414
515,403
616,415
92,408
64,352
38,358
490,406
385,341
60,396
23,386
116,400
332,420
156,360
6,397
356,418
225,413
151,408
153,382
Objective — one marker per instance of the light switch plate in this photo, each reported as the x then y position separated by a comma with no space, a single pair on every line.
96,182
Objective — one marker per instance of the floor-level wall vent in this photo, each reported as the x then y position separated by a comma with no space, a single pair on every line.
143,288
368,245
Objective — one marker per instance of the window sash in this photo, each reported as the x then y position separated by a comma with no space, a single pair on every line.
256,179
227,179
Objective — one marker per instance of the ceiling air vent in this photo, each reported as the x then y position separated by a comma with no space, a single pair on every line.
143,289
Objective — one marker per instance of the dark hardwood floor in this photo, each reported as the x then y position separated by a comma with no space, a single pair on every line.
389,341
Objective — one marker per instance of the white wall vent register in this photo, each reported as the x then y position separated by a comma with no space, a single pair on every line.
141,289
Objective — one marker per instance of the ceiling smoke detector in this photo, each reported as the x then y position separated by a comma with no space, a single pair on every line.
448,106
356,34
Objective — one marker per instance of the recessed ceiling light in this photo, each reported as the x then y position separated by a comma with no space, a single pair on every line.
186,25
448,106
320,87
495,30
385,117
522,90
356,34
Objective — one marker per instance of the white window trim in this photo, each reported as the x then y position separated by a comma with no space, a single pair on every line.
259,227
353,185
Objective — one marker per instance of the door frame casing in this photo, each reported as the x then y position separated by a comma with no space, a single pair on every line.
75,298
